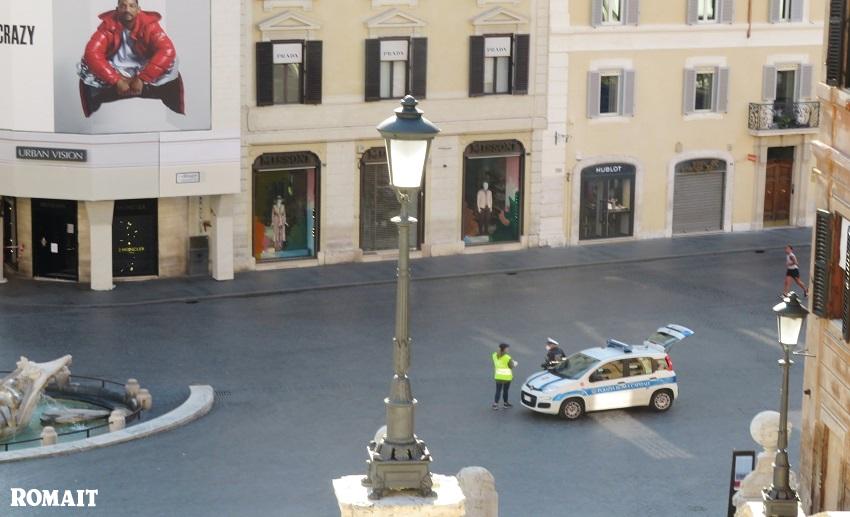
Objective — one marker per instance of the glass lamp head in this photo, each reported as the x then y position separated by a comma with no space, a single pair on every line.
790,315
407,136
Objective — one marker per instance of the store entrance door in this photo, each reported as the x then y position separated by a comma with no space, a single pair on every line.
777,186
135,250
54,237
10,233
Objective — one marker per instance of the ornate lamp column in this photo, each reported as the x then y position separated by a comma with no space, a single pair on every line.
780,500
400,460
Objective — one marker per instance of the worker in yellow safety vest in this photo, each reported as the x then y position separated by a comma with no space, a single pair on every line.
503,366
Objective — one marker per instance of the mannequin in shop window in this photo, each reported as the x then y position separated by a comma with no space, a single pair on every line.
279,223
484,208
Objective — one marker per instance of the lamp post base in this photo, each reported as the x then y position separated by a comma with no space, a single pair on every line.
778,503
398,467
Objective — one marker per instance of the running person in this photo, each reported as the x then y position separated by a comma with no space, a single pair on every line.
792,271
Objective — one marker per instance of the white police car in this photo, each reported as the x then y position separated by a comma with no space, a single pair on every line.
609,377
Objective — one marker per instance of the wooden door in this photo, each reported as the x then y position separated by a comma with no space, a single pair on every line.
777,192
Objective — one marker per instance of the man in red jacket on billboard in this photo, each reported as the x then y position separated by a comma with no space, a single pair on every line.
130,55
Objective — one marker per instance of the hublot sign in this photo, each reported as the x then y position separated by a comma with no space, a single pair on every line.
609,169
51,154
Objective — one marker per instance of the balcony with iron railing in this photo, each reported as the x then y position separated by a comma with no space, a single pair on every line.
771,118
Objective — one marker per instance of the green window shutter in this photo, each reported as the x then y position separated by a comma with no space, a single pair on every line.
820,274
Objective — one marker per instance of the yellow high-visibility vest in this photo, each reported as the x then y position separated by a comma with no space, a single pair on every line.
501,365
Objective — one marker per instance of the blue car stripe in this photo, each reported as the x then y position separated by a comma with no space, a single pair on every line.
618,387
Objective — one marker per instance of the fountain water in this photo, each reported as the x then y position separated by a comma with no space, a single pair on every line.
21,390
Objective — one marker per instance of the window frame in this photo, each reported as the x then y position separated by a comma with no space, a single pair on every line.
621,4
715,12
712,94
301,77
618,112
392,72
510,59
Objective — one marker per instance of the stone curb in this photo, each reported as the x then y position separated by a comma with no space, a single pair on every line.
198,404
370,283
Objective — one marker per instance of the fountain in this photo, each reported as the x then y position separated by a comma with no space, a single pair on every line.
42,393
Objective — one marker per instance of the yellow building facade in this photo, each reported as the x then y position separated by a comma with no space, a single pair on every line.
687,116
316,81
825,445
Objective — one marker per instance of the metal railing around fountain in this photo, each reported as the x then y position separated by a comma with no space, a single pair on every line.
135,413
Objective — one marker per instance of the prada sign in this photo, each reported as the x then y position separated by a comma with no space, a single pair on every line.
394,50
286,53
51,154
497,47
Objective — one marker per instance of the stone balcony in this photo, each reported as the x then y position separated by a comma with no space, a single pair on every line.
778,118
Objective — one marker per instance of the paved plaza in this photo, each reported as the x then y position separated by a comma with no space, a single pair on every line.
300,361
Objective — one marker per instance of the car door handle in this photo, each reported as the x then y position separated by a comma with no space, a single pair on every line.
653,378
621,382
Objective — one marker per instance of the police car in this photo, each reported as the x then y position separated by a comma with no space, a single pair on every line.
613,376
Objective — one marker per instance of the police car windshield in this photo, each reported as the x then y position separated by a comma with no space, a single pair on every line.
575,366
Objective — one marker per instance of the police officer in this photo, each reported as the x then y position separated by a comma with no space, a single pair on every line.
503,373
554,354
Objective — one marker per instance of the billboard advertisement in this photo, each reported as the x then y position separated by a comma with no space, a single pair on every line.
105,66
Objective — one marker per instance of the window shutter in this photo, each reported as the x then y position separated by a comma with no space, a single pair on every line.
721,90
689,92
476,66
768,83
521,51
265,77
693,12
804,83
823,252
727,11
373,70
313,72
418,67
628,77
596,13
835,41
632,12
796,10
845,312
774,11
593,85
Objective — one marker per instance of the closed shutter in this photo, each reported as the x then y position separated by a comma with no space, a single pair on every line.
774,11
835,41
521,51
804,83
721,90
796,10
698,202
313,72
265,74
689,92
593,86
476,66
628,77
693,12
632,12
845,313
823,252
373,70
378,205
596,13
419,67
727,11
835,302
768,83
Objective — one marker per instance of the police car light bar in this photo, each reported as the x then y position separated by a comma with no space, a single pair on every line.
613,343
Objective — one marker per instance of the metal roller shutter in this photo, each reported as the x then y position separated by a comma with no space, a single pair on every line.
698,202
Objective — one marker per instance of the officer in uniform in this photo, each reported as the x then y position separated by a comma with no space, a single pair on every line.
554,354
503,373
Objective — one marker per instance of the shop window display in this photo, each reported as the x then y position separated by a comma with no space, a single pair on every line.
285,214
492,193
607,201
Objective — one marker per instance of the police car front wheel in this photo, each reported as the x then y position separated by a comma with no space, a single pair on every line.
661,400
572,409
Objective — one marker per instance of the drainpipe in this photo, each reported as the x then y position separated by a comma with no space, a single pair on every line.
749,17
2,242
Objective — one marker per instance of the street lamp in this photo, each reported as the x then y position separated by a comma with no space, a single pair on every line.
399,460
780,500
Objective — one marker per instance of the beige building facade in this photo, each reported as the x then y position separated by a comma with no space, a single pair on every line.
97,186
687,116
317,80
825,446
